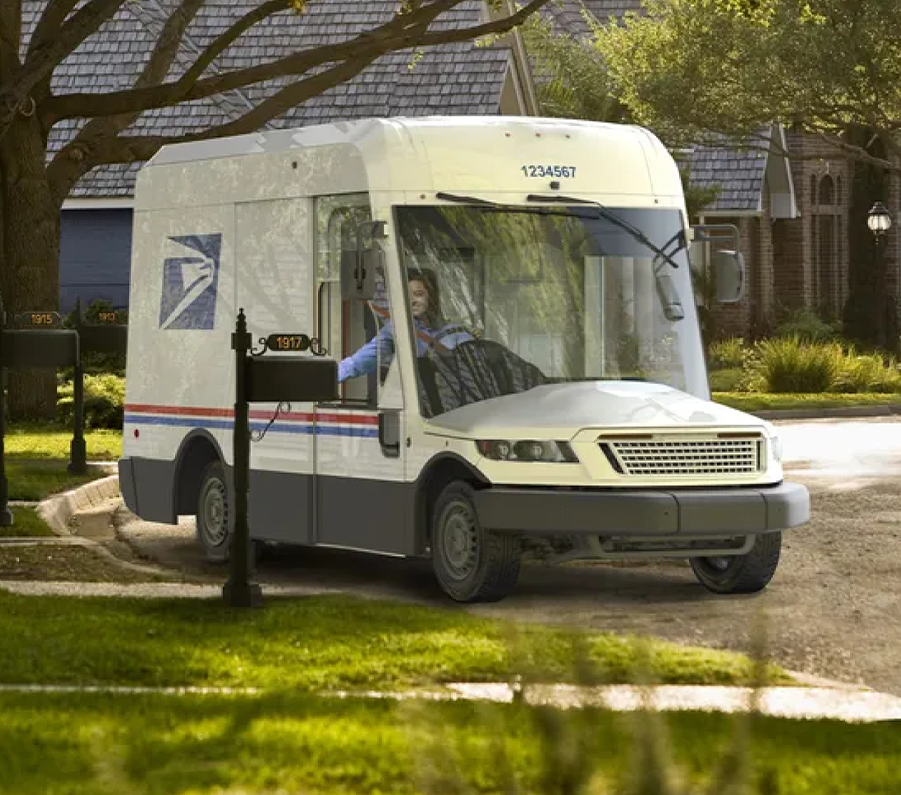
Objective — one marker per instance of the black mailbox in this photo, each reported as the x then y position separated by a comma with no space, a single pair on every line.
302,379
104,339
39,347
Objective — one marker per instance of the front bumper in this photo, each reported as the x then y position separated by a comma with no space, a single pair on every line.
722,512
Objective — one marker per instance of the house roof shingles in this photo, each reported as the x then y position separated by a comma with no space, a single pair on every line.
738,175
452,79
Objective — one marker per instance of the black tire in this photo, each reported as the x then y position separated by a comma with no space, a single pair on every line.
748,573
471,564
214,507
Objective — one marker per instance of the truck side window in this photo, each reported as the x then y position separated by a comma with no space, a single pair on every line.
349,325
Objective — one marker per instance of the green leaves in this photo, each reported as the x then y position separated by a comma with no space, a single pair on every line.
688,68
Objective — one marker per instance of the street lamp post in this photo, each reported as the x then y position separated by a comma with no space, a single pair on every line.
879,221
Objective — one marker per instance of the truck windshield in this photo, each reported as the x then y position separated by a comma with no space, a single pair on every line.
520,297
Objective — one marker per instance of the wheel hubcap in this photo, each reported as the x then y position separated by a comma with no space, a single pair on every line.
460,540
214,524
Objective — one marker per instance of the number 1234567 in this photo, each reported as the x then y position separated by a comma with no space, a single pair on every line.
549,171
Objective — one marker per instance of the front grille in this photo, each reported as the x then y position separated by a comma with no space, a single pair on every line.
711,456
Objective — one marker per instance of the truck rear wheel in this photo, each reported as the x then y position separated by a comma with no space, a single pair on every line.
746,573
471,564
214,513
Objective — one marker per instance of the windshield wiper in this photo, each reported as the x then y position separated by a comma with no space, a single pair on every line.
611,216
451,197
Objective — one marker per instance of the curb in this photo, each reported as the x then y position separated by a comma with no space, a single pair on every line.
825,414
57,511
779,702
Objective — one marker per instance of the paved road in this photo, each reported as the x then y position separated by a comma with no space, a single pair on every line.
833,608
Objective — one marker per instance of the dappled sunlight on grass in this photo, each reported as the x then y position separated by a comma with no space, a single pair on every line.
308,643
286,742
34,441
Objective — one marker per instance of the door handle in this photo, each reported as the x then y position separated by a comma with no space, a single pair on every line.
389,433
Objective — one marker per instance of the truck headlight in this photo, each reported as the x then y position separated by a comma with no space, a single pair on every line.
548,452
776,444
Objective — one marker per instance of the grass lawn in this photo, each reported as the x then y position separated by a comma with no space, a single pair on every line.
37,480
34,441
26,524
292,743
312,643
37,458
759,401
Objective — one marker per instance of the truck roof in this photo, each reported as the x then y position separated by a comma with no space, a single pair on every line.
483,154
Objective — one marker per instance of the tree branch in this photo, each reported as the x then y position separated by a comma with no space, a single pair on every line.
49,24
96,131
503,25
397,34
10,35
221,43
72,162
41,63
114,103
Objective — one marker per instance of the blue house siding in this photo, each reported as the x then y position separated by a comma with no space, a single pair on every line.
95,257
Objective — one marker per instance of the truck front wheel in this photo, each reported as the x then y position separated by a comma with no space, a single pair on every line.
471,564
213,514
746,573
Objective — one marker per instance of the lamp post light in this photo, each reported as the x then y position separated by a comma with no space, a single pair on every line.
879,220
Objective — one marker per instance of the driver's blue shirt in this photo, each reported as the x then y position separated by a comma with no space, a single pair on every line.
365,360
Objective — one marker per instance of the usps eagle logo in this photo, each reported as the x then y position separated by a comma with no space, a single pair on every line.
190,280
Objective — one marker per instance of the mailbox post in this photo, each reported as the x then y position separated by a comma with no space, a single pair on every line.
6,517
107,336
42,343
260,380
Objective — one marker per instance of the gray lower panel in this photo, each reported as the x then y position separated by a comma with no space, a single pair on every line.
366,514
713,512
279,507
352,512
553,511
127,485
154,490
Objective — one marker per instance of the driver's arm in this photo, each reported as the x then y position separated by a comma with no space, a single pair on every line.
365,360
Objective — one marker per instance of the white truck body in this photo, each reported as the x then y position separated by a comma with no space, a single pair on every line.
648,467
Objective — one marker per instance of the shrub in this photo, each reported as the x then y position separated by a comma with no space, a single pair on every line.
727,354
783,365
731,380
867,373
806,325
790,365
104,401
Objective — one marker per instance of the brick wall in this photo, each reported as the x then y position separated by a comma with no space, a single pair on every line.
813,261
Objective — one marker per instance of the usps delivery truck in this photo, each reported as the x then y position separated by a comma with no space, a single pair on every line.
522,373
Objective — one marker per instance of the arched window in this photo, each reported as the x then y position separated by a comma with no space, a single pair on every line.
827,191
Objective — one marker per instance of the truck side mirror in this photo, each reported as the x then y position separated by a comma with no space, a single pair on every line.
358,269
669,298
729,275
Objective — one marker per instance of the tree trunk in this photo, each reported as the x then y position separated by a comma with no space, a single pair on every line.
29,254
870,318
